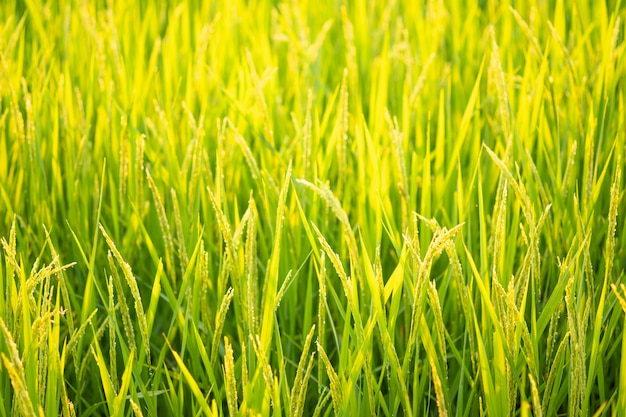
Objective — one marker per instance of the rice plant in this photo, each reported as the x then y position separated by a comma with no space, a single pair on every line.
312,208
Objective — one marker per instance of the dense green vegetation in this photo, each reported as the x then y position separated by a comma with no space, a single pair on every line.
312,208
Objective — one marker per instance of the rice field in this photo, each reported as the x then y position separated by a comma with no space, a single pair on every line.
312,208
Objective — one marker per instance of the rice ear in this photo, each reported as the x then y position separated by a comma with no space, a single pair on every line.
134,290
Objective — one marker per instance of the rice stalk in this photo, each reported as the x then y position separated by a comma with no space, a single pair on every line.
180,234
578,373
348,36
220,319
77,336
140,144
613,207
260,98
335,384
136,408
535,397
251,269
436,247
134,290
321,314
224,227
307,130
301,379
300,400
112,338
497,78
229,377
433,298
343,120
127,322
165,225
346,281
555,367
15,369
245,378
124,161
334,204
439,395
266,369
247,152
